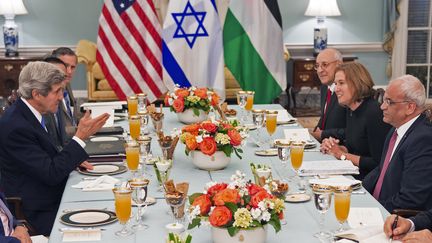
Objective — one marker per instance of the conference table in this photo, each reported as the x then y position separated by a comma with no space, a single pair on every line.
302,218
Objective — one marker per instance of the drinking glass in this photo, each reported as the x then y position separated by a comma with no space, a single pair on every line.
139,196
144,119
162,169
145,147
157,120
241,101
322,199
134,127
297,150
123,205
271,120
258,120
283,153
132,156
132,103
342,200
142,102
249,102
175,200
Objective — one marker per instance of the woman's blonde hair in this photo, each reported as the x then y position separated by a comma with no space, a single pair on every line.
358,78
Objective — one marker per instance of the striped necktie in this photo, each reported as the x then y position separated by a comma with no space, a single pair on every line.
8,214
68,107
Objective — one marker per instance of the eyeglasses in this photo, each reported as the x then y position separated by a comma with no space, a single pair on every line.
390,102
323,65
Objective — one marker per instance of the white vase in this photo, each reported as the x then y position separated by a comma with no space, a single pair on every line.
255,235
217,161
188,116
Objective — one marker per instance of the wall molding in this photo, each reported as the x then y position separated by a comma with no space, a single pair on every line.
37,51
300,49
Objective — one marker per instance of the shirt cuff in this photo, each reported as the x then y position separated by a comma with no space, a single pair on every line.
412,226
79,141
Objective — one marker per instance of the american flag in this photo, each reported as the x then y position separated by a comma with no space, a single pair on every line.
129,48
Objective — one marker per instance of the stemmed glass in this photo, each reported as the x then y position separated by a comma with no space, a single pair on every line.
123,205
241,101
283,153
132,156
139,196
144,120
132,103
162,168
271,122
145,147
134,127
322,198
258,120
342,200
142,102
297,150
176,200
249,102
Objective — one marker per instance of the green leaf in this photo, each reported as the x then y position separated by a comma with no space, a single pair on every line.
171,237
237,153
232,206
188,239
196,111
233,230
227,149
193,197
275,222
195,222
255,223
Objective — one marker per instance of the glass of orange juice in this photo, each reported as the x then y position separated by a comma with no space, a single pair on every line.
123,205
249,102
134,127
296,154
132,102
132,156
271,121
342,201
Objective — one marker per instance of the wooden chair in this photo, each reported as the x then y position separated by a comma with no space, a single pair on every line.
15,204
406,213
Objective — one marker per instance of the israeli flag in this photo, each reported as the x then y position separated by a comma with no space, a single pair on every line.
192,46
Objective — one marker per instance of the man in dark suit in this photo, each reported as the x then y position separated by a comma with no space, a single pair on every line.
332,120
32,167
416,229
403,180
69,109
10,230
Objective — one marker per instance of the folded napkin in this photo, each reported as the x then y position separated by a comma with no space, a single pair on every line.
335,181
328,167
102,183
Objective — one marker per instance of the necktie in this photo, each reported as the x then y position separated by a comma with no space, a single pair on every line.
8,214
68,107
328,98
43,123
377,190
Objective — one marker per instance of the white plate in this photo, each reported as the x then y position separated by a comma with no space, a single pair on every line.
89,217
104,168
295,198
267,152
104,139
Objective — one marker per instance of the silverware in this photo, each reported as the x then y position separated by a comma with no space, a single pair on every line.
358,192
78,228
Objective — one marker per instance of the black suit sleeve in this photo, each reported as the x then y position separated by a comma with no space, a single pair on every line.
376,132
423,220
9,239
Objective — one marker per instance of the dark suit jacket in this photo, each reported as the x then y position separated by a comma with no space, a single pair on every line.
423,220
32,168
3,237
408,181
335,120
56,129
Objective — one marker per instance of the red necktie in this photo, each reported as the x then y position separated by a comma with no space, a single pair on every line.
377,190
328,98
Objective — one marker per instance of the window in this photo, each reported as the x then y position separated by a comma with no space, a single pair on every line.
412,54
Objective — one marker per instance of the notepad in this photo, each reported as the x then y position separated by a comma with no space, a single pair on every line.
368,234
298,134
328,167
360,217
75,235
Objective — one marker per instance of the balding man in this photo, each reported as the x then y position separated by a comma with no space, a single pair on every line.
332,120
31,165
403,180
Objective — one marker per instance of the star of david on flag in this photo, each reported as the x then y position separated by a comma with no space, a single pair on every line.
192,46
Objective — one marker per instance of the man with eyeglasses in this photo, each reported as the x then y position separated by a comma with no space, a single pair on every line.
332,120
403,179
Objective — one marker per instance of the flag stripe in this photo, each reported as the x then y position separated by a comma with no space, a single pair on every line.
273,7
173,68
246,65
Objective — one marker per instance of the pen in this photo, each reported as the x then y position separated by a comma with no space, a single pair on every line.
394,225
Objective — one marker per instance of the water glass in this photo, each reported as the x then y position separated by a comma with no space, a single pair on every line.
342,201
283,153
139,196
258,120
123,206
132,102
322,199
142,102
241,101
144,120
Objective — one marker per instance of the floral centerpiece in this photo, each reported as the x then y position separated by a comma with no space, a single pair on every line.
239,205
191,102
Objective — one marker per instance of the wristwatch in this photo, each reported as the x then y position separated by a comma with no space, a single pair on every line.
343,157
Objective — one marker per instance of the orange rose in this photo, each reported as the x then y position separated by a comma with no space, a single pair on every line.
166,100
190,141
214,99
226,125
181,93
204,202
258,197
226,195
281,215
178,105
220,216
201,92
235,137
192,129
208,146
254,189
209,126
216,188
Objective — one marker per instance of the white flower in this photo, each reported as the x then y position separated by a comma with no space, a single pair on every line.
170,101
211,209
265,216
194,211
222,138
193,88
262,206
199,139
256,213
